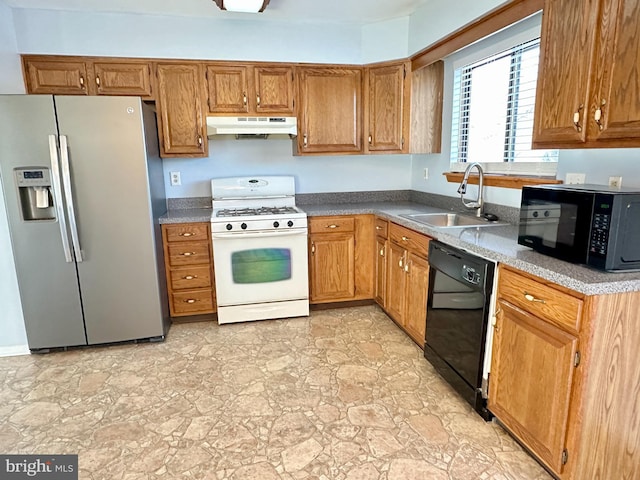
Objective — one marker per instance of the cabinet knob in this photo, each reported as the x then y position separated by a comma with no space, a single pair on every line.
187,234
188,254
190,300
190,277
404,239
244,98
333,225
199,140
82,82
532,298
370,139
97,80
598,115
382,252
576,118
304,140
258,99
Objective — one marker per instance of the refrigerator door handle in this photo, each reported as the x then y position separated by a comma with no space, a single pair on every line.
68,193
57,195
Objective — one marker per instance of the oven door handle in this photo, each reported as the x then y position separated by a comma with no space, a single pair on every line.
267,234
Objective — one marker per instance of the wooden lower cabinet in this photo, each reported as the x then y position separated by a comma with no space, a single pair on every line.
189,268
407,277
564,376
341,258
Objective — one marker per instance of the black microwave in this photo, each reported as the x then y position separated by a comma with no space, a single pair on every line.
594,225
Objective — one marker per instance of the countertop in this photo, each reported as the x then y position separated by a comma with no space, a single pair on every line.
497,243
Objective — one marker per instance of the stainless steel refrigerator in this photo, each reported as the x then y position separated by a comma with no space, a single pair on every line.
83,187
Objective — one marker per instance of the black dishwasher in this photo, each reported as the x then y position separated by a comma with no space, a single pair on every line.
457,319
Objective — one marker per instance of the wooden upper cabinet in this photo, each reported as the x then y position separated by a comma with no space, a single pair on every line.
86,76
427,87
180,114
386,108
330,111
228,89
274,90
49,76
249,89
122,78
587,93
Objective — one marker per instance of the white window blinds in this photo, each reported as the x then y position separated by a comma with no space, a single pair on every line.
493,105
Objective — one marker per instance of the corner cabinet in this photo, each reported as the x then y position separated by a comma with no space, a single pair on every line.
564,375
407,280
86,76
330,110
340,258
386,108
587,94
181,120
250,89
189,268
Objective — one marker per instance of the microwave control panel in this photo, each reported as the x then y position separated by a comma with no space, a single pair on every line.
600,225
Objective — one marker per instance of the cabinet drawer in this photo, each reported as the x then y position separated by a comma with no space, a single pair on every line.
382,227
185,232
331,224
190,277
191,253
540,300
409,239
192,302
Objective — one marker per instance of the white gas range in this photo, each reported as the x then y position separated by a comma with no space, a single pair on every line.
260,249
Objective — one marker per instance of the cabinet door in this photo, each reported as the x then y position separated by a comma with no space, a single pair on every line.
416,308
122,78
616,93
381,271
385,109
56,77
531,379
274,90
396,282
332,263
566,55
228,89
180,115
330,110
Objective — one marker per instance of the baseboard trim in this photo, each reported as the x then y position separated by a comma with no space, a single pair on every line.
14,350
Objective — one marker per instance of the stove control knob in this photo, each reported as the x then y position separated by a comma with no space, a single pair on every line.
276,224
229,226
243,226
290,223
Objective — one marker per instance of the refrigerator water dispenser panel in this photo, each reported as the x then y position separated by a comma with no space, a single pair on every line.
34,193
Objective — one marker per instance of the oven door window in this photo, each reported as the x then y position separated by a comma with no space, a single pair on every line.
261,265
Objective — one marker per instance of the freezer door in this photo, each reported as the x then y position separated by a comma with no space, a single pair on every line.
48,283
112,208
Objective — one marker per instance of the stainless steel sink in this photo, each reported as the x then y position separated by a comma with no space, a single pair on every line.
450,220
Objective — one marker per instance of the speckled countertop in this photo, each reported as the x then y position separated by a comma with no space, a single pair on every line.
498,243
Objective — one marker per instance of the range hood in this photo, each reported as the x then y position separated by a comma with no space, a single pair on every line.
251,126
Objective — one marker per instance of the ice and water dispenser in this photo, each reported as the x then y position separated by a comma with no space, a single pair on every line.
35,193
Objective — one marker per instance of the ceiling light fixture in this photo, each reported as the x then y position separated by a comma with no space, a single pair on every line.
249,6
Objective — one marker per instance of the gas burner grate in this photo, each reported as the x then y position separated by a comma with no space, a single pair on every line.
247,212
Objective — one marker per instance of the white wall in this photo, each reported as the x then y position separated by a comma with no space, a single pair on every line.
385,40
13,338
230,157
114,34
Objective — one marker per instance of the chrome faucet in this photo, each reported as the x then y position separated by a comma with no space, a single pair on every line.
462,189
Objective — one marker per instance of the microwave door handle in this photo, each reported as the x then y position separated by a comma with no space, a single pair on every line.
57,196
68,193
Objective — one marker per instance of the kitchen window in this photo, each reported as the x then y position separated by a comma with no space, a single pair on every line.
492,115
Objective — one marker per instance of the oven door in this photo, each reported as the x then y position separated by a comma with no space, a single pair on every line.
260,267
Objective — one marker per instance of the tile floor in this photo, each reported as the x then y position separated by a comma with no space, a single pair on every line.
343,394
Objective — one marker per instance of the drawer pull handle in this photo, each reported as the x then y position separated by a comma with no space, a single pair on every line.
531,298
333,225
378,227
190,300
404,239
190,277
188,254
576,119
187,234
382,252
